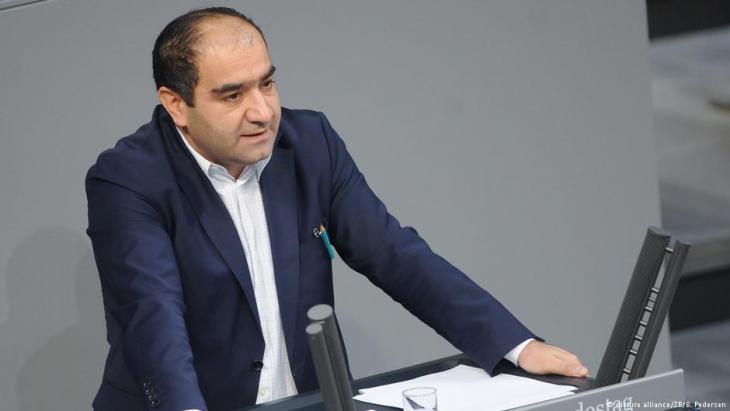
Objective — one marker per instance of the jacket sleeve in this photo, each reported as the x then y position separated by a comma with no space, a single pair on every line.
143,297
396,259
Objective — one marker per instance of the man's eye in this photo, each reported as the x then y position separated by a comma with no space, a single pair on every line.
233,97
268,84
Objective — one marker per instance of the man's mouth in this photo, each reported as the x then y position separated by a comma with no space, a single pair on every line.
254,134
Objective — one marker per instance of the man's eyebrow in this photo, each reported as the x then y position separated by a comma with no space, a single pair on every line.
229,87
269,73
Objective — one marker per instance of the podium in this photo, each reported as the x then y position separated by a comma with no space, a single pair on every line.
652,392
620,383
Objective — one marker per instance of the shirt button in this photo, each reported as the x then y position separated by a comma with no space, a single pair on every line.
257,365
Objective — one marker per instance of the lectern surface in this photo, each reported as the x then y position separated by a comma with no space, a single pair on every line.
312,401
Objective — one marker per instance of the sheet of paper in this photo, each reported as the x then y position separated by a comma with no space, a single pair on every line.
465,388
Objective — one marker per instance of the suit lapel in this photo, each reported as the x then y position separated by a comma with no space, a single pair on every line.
209,208
278,188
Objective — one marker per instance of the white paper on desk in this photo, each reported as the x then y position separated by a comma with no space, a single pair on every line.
465,388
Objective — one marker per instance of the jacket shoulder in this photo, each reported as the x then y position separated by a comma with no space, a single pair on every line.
300,117
308,132
299,125
135,162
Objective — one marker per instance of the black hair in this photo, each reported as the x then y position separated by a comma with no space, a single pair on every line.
173,57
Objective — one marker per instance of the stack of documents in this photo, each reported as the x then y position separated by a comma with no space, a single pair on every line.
465,388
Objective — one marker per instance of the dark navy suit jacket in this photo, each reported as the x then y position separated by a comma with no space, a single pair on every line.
181,317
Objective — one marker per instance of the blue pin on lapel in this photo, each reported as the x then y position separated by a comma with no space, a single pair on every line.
321,232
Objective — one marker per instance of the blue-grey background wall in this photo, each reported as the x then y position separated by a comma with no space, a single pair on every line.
515,136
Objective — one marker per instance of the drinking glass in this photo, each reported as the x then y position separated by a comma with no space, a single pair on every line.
420,399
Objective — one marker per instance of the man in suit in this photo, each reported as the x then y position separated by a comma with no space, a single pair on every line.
207,226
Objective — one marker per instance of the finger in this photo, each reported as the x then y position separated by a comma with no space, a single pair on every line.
576,369
568,364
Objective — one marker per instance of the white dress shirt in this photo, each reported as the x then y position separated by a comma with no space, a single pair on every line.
513,355
242,198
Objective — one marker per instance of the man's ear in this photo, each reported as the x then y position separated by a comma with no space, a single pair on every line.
175,105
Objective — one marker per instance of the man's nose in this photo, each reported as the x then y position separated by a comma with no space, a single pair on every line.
258,110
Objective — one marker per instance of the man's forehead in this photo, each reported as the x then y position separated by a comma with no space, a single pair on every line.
230,52
219,34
